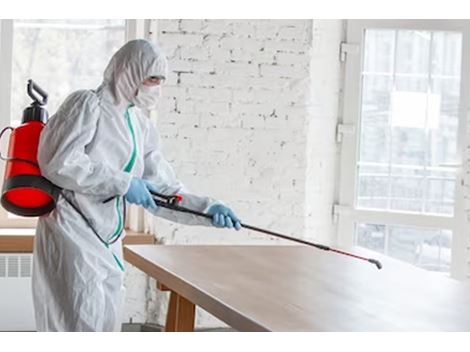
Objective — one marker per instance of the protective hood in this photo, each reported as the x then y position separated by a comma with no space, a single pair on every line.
130,65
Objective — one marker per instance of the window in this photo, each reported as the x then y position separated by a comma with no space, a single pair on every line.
401,167
409,120
61,56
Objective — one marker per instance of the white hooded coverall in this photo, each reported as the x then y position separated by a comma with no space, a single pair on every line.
92,147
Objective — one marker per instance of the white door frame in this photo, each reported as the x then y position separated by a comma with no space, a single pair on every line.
346,212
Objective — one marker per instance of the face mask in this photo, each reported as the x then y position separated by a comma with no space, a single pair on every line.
147,96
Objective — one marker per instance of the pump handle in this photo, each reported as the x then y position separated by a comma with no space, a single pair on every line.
32,88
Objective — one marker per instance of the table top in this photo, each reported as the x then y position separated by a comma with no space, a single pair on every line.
298,288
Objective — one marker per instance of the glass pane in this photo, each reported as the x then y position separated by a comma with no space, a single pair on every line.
61,56
412,52
375,115
407,193
440,192
373,191
409,121
379,51
443,137
408,146
371,236
446,54
426,248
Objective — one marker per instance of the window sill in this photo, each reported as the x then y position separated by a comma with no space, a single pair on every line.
21,240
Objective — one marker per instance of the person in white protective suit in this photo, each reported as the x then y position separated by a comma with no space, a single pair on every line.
100,146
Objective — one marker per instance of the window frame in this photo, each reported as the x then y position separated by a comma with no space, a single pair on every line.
346,213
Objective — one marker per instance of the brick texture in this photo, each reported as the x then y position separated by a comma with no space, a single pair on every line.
248,116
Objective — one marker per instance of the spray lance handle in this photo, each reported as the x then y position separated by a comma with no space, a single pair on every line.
36,93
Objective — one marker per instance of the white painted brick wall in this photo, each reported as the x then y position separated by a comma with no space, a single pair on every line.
237,119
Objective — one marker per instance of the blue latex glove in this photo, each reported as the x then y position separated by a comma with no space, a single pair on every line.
223,216
139,194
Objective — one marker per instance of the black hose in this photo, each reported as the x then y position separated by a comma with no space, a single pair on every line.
90,225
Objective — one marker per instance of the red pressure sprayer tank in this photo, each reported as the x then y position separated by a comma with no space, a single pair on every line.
25,191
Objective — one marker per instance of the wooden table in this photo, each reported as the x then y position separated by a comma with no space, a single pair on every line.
292,288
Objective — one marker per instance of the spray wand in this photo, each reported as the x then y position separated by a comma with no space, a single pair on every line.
171,202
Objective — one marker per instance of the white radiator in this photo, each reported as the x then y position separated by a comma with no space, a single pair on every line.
16,302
